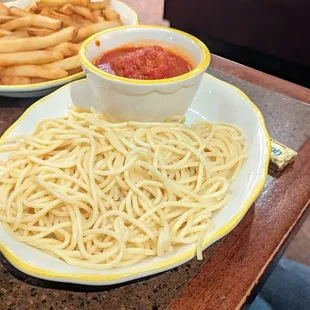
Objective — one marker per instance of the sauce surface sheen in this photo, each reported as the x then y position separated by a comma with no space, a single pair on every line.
143,63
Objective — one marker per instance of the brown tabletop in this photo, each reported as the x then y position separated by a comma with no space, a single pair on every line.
234,267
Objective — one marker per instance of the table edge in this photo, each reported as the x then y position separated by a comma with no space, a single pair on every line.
182,301
285,238
260,78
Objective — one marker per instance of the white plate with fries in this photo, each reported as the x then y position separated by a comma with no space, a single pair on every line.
39,41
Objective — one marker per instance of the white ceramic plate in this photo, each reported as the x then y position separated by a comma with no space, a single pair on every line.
128,17
215,101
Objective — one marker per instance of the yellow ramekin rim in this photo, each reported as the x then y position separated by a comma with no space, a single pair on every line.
203,65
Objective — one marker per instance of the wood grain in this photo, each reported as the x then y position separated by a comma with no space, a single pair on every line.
260,78
238,263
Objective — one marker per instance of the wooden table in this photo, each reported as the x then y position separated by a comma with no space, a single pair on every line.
235,267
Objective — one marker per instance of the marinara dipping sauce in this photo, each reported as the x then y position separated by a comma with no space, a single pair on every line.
149,62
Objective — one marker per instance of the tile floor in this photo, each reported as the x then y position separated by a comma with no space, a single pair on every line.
299,249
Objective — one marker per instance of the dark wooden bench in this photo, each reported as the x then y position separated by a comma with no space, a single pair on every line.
269,35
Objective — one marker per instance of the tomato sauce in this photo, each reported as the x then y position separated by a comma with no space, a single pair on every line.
143,63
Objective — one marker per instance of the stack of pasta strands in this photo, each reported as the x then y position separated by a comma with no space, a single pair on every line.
42,43
105,195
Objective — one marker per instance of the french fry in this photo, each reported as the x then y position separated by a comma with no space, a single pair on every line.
33,20
34,71
4,33
79,2
111,14
60,3
99,5
17,23
75,71
84,12
5,19
30,58
51,3
97,13
3,9
18,12
15,35
15,80
65,64
99,19
88,31
38,32
80,21
36,80
35,9
66,10
37,43
67,49
66,20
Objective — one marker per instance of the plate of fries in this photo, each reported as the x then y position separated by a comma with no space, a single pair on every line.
40,40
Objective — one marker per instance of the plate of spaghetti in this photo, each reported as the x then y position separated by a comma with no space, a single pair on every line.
88,201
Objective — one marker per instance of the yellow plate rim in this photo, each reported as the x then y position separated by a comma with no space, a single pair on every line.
95,279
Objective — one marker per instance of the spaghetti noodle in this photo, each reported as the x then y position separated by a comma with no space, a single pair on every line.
102,195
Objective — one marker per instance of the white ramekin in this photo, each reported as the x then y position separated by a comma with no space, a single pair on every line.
122,99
